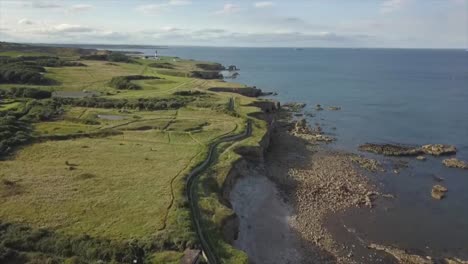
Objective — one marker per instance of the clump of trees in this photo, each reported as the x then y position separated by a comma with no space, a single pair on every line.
23,74
124,82
13,132
25,92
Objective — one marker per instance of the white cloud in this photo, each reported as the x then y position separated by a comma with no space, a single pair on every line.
67,28
45,4
389,6
156,8
228,9
170,29
263,4
180,2
80,8
25,21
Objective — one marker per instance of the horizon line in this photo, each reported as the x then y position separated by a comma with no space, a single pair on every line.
239,46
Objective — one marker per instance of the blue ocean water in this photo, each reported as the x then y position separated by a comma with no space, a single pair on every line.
404,96
387,96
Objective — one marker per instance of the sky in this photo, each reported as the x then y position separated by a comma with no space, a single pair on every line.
277,23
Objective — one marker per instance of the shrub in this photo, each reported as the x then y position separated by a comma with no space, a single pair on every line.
124,82
163,65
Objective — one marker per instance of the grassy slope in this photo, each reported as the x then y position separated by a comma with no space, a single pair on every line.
123,185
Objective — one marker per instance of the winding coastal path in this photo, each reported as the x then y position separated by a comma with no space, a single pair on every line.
192,196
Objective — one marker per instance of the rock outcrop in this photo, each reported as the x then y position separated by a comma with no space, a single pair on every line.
438,192
302,130
391,150
334,108
293,107
439,149
455,163
402,150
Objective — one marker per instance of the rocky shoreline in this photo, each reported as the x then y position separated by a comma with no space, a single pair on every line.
316,182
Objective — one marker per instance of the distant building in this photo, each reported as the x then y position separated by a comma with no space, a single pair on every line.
155,57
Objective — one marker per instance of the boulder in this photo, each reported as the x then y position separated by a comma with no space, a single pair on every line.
318,107
439,149
421,158
455,163
438,192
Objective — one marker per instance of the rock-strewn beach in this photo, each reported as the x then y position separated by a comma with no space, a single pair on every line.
316,182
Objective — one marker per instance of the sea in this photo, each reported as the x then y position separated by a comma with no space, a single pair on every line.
403,96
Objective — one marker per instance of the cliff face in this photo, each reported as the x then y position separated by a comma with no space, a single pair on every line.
250,157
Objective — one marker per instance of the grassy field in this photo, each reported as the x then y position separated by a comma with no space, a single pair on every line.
127,185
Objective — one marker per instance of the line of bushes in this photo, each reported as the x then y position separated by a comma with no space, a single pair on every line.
112,57
44,61
149,104
18,242
25,92
124,82
190,93
162,65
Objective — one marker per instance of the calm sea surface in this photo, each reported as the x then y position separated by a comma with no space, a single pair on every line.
387,96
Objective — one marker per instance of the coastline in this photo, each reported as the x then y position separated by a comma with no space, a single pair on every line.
288,205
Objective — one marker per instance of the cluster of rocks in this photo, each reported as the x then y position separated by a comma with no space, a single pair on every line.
319,107
418,151
402,150
390,149
367,164
301,129
402,256
293,107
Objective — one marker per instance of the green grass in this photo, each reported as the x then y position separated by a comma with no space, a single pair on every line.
104,196
129,186
10,105
63,128
22,53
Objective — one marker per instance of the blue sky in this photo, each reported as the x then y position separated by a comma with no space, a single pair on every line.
292,23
